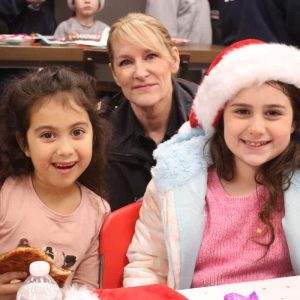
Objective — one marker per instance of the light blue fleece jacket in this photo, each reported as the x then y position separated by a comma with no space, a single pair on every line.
181,168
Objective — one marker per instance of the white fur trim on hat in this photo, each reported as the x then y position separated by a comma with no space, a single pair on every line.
240,68
74,293
71,4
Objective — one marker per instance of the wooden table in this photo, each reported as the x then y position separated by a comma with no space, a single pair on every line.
95,61
35,56
199,53
32,56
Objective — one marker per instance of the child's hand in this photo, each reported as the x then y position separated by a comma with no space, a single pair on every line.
8,289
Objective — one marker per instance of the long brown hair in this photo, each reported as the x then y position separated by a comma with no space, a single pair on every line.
275,174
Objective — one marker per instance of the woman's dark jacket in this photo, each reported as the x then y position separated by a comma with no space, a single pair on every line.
130,155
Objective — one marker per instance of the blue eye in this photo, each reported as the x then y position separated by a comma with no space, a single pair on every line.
124,62
151,56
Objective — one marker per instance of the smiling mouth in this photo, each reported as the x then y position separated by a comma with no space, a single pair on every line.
256,144
64,166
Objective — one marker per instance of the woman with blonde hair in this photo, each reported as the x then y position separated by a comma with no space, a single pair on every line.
152,104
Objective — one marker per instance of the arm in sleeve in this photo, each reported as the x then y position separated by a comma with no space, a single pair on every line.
87,273
147,254
166,11
60,32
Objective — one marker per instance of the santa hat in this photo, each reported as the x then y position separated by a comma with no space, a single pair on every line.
71,4
241,65
152,291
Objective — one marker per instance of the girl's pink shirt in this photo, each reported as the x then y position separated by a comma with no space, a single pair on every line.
72,239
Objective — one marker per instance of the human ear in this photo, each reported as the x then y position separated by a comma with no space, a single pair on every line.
293,127
22,144
114,75
176,60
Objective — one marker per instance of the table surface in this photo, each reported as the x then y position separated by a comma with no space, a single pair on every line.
198,53
286,288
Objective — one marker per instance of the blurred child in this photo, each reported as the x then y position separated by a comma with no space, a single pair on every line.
53,146
223,205
83,25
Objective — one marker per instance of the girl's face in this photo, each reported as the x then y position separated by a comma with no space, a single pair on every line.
59,142
258,123
143,75
86,7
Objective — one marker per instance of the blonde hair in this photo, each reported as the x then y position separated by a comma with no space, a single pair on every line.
141,30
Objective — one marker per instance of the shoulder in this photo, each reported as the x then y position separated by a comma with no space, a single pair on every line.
94,202
67,22
15,183
109,105
296,178
186,85
184,93
100,24
180,158
60,30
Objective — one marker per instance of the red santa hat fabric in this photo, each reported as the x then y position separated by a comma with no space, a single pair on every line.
147,292
243,64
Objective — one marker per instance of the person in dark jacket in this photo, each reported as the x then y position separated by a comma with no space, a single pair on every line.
267,20
151,107
28,16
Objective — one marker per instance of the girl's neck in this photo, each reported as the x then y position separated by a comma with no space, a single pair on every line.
86,21
243,182
61,200
154,120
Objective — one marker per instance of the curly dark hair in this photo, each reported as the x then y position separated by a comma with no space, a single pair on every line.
18,99
275,174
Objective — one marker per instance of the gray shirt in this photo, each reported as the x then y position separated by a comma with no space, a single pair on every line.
73,26
188,19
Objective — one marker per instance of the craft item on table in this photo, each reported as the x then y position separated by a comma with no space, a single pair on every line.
234,296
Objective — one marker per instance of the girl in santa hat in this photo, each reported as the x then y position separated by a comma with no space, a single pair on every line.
223,205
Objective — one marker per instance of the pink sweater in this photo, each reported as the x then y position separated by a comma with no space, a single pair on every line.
229,251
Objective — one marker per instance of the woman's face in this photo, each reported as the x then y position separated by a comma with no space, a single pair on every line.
143,75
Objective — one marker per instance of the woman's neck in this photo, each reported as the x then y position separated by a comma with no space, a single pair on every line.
154,120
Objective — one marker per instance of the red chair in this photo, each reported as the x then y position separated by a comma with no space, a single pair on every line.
115,237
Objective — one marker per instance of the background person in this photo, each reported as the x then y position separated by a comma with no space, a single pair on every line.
150,108
51,172
223,204
21,18
267,20
184,19
83,25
